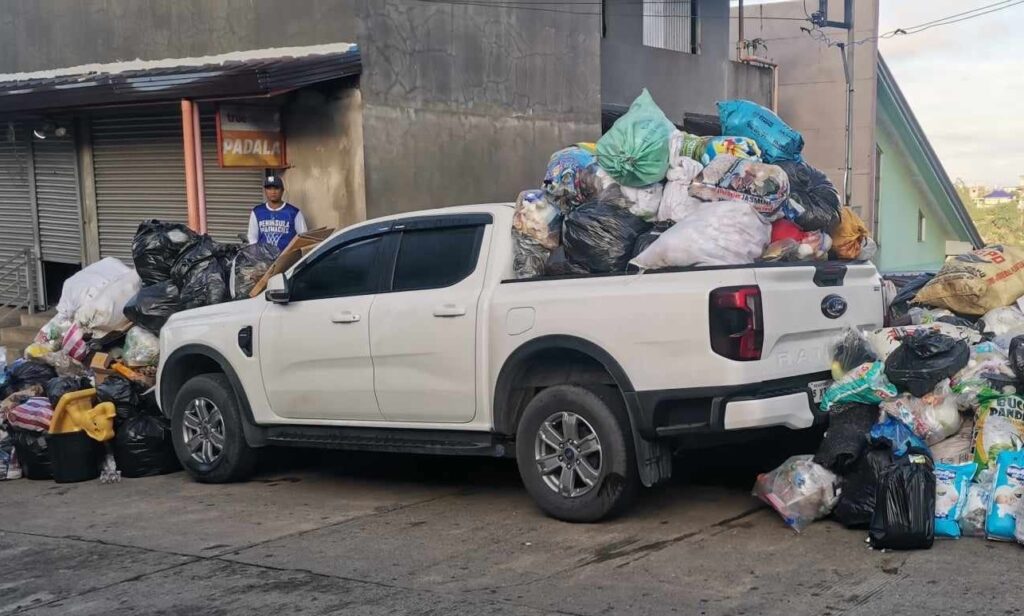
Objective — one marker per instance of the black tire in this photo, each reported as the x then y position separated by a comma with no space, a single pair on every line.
617,482
237,459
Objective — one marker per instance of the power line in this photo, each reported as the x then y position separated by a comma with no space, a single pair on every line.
547,6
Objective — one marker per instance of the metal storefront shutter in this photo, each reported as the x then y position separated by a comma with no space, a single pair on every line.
230,193
58,199
16,227
139,168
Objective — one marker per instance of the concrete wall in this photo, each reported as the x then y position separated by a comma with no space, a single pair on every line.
464,104
325,151
812,88
679,82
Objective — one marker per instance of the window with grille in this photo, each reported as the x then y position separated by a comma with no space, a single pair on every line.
672,24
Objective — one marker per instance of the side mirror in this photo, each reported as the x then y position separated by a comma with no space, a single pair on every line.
277,290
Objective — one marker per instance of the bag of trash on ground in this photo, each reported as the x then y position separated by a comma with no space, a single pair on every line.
799,490
973,516
814,202
1007,494
728,178
141,348
142,446
24,373
846,437
1018,532
975,282
33,454
951,487
635,149
58,386
987,374
157,246
957,449
998,426
570,178
904,517
121,393
249,266
723,233
153,305
923,359
105,312
885,340
851,350
746,119
897,436
865,384
1003,320
600,237
850,237
74,344
856,502
9,467
87,284
33,415
934,416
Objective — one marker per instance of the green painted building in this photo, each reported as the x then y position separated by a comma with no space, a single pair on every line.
920,218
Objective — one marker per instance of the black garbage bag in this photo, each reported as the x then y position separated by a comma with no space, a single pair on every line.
249,266
142,447
153,305
26,372
904,516
33,454
204,249
157,246
122,393
812,196
856,502
901,302
558,265
600,237
923,359
644,241
846,437
58,386
1017,357
205,284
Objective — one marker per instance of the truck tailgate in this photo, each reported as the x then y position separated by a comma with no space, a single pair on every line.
806,308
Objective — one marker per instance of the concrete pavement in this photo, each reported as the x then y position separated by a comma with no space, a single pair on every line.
374,534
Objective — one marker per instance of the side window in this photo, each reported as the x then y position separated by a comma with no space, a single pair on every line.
436,258
349,270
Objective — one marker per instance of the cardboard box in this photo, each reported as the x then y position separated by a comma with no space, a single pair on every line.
300,245
100,366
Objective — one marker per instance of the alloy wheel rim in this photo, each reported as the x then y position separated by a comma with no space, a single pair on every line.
203,430
568,454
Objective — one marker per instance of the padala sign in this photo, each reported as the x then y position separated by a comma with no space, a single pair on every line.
250,136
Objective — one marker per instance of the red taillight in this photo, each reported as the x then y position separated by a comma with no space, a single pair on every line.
737,331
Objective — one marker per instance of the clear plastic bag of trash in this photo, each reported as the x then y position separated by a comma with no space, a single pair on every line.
141,348
975,510
814,202
571,179
156,247
934,417
1002,321
536,231
635,150
865,384
249,266
599,237
958,448
851,350
765,187
778,141
812,246
723,233
799,490
988,373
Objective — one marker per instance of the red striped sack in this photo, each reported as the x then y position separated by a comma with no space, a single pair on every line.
74,343
34,414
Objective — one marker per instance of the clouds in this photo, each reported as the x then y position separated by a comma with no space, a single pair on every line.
963,82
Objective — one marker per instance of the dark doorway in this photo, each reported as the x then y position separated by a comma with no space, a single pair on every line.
54,275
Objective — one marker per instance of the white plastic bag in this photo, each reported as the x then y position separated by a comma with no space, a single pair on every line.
799,490
1003,321
141,348
87,283
722,233
972,516
683,169
645,201
676,202
105,312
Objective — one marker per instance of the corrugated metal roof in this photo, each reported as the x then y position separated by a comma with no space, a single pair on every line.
236,74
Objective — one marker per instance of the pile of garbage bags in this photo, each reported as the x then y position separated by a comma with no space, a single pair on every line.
738,198
926,432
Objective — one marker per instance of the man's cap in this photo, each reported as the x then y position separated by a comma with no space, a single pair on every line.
273,181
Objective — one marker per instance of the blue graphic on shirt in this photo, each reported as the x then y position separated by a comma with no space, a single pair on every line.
276,227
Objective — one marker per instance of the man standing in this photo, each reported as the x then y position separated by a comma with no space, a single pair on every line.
275,222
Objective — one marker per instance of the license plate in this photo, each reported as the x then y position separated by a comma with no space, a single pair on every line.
818,389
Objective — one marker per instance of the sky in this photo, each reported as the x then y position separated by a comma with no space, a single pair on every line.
964,82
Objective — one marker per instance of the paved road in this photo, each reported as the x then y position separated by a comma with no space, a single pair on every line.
369,534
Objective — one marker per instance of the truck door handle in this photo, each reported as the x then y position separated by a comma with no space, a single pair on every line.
450,310
344,317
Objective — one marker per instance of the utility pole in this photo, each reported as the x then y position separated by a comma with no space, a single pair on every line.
820,19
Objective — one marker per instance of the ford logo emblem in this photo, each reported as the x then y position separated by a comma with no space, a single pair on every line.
833,306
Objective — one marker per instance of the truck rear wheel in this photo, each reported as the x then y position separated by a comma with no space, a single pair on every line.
575,453
206,429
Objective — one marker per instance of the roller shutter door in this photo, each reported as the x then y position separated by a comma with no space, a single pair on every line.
230,193
16,227
58,199
139,168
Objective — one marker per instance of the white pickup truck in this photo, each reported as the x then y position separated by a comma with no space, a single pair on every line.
410,334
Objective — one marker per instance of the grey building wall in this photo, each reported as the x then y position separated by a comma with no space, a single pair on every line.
680,82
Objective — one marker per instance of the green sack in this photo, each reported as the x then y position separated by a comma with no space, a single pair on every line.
635,151
865,384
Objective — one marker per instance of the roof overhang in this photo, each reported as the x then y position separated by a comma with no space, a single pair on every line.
261,72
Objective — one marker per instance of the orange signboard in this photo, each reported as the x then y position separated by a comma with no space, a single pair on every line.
250,136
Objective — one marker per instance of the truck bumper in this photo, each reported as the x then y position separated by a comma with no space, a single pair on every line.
677,412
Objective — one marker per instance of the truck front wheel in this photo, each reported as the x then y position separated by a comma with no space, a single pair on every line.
206,429
575,453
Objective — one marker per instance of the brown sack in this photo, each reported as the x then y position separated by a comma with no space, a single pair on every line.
975,282
849,235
